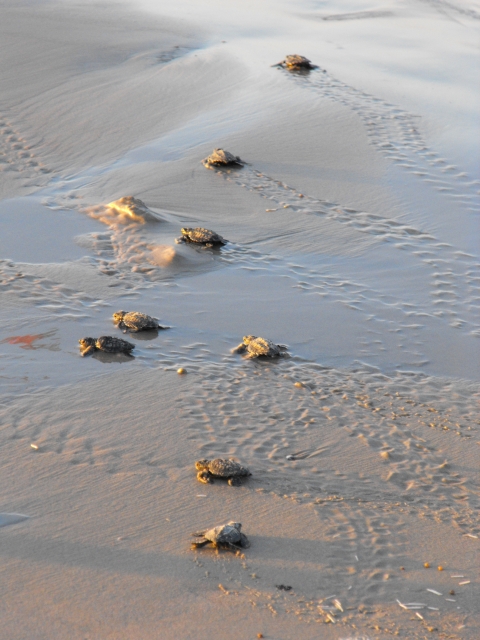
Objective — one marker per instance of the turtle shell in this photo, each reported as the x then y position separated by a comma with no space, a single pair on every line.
261,347
226,534
110,344
202,236
227,468
297,62
220,158
137,321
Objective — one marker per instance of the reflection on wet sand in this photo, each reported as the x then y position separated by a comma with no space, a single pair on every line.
110,358
146,335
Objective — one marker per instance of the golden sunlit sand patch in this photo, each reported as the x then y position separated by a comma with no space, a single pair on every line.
124,210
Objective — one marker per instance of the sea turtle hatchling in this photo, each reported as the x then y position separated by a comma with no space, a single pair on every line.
295,62
199,235
134,321
228,470
227,536
222,158
255,347
108,344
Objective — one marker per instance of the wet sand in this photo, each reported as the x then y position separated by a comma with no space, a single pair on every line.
353,239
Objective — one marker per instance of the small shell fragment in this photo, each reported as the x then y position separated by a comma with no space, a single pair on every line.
470,535
440,568
426,565
437,593
181,371
464,582
419,615
290,457
299,385
34,446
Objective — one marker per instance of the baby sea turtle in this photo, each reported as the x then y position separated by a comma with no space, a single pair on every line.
135,321
221,158
229,470
199,235
108,344
255,347
295,63
228,536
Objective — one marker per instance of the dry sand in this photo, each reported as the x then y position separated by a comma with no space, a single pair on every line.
353,236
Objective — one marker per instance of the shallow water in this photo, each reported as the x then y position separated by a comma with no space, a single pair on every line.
352,234
353,239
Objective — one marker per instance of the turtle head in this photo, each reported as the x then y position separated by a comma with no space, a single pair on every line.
248,339
87,342
118,316
87,346
186,230
236,525
200,465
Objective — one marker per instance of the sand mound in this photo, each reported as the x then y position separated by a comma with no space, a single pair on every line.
124,211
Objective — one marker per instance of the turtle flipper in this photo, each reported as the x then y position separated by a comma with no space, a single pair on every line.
199,544
88,351
205,477
235,481
240,349
244,541
232,546
128,329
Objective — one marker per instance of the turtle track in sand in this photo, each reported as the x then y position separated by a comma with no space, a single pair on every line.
405,426
338,425
396,436
19,163
394,132
454,275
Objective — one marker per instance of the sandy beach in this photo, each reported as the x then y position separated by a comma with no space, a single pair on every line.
353,239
